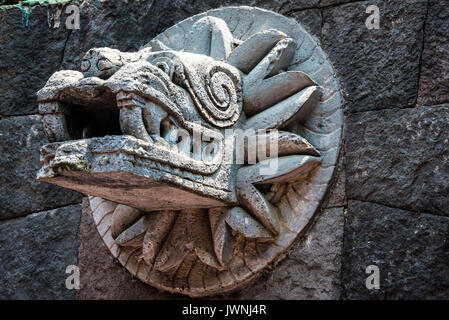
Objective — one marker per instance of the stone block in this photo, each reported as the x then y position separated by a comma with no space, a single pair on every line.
409,248
35,252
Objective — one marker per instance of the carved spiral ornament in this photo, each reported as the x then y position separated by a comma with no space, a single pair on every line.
224,92
218,96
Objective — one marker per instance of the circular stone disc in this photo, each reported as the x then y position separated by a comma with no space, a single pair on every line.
299,201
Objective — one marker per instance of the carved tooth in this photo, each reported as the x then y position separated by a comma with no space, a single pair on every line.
190,234
169,132
153,116
255,202
122,218
133,236
152,241
178,138
131,122
221,235
242,222
88,131
54,121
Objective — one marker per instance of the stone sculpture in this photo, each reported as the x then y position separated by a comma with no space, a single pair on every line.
173,211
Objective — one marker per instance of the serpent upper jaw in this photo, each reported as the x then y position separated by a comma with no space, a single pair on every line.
137,116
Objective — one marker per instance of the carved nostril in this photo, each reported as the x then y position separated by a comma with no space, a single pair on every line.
103,64
85,65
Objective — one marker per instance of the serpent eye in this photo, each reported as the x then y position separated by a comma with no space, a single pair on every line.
164,67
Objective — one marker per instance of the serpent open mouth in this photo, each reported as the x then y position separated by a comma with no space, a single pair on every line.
138,124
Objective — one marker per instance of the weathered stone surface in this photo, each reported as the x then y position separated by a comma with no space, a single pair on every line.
311,20
377,68
434,79
35,252
20,141
336,196
287,6
101,26
189,79
101,276
311,271
30,54
410,249
399,158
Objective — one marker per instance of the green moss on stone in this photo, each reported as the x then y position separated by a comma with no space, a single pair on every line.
32,3
71,166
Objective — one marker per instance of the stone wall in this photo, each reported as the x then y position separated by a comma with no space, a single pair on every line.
389,203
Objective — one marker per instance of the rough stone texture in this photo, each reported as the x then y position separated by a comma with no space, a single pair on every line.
29,55
102,26
399,158
433,86
336,196
20,141
377,68
311,20
287,6
311,271
410,249
102,276
35,251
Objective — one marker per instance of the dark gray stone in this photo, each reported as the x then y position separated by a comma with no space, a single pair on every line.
35,251
121,25
21,194
29,55
336,195
434,80
399,157
328,3
310,20
288,6
103,277
377,68
311,271
410,249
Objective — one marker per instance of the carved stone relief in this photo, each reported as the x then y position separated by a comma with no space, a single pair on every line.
177,213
